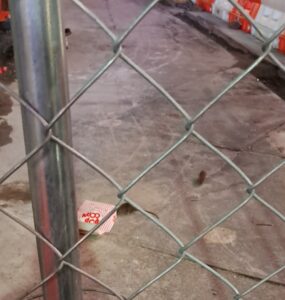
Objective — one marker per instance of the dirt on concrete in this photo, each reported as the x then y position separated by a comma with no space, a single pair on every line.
17,190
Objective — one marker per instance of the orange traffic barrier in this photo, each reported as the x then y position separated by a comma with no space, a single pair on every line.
270,19
282,43
4,10
251,7
205,4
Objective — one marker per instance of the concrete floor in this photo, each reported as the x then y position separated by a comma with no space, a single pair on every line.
123,123
236,38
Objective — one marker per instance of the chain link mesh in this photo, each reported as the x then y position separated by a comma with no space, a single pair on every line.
182,249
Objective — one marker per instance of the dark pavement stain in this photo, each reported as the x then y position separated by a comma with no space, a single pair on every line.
17,190
5,131
6,104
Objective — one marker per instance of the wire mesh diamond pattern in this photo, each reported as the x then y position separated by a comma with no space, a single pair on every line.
182,249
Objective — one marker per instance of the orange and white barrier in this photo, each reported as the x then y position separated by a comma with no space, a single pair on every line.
206,5
268,14
222,9
270,20
251,7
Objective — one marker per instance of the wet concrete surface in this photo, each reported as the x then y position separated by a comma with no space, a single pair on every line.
123,124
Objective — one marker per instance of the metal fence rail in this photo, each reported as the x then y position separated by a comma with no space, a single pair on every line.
183,250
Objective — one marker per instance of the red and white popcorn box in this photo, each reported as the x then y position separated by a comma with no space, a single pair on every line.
91,213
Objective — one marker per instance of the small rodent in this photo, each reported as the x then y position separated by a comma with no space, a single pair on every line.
201,178
67,33
127,209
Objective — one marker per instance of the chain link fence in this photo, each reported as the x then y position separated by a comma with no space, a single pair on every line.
182,249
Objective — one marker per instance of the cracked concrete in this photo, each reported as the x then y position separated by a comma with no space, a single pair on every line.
122,123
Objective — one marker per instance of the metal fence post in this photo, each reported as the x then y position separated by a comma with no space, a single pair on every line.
41,71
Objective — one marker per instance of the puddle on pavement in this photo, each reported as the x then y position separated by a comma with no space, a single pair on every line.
7,76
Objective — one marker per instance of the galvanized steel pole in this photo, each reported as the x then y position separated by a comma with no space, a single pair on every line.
41,71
